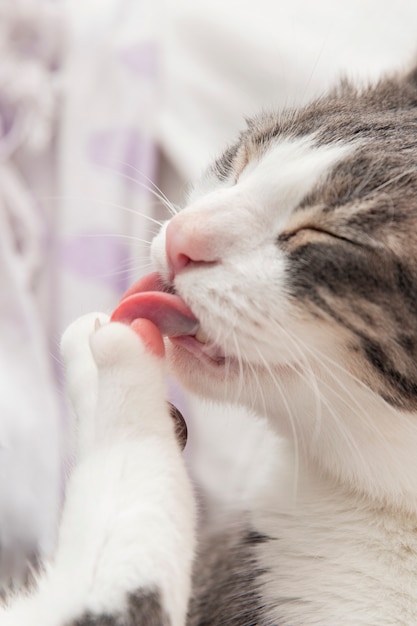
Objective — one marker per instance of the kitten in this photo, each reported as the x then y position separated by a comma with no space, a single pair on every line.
288,285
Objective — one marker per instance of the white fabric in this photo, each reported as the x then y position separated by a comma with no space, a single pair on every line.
223,60
30,430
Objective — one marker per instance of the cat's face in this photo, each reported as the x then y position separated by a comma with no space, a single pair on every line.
298,253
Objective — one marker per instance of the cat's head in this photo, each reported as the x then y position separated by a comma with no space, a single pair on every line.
303,237
297,253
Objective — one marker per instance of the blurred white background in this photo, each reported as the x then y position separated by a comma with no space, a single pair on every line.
97,99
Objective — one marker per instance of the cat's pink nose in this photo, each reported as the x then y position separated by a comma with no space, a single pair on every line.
176,246
179,247
186,242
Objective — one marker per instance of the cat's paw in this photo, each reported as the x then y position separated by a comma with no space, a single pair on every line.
81,375
75,342
131,381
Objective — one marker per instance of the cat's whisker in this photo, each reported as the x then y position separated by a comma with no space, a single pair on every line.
323,400
128,271
114,236
152,190
318,354
325,403
103,202
321,356
258,390
346,397
348,438
240,386
162,196
242,365
311,379
292,420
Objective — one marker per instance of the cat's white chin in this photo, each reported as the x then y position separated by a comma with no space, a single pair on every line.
223,378
204,352
200,372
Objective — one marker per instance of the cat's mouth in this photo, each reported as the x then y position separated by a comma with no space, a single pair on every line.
149,298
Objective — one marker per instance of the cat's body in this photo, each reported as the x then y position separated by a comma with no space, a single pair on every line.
297,254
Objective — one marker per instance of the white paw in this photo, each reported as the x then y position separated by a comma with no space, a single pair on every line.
75,342
131,384
116,384
81,376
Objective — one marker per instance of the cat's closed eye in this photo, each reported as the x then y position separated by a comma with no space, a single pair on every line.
310,233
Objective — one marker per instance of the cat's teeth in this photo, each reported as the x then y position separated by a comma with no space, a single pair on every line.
201,335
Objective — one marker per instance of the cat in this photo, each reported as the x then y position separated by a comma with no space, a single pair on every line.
288,285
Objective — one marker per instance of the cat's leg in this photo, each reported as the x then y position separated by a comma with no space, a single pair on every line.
127,534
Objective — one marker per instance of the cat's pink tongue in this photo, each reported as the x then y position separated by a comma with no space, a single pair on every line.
168,312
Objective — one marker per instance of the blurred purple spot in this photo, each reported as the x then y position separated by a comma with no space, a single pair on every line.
141,59
125,151
98,258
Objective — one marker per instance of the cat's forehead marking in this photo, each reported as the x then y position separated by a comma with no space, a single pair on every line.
289,169
276,176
